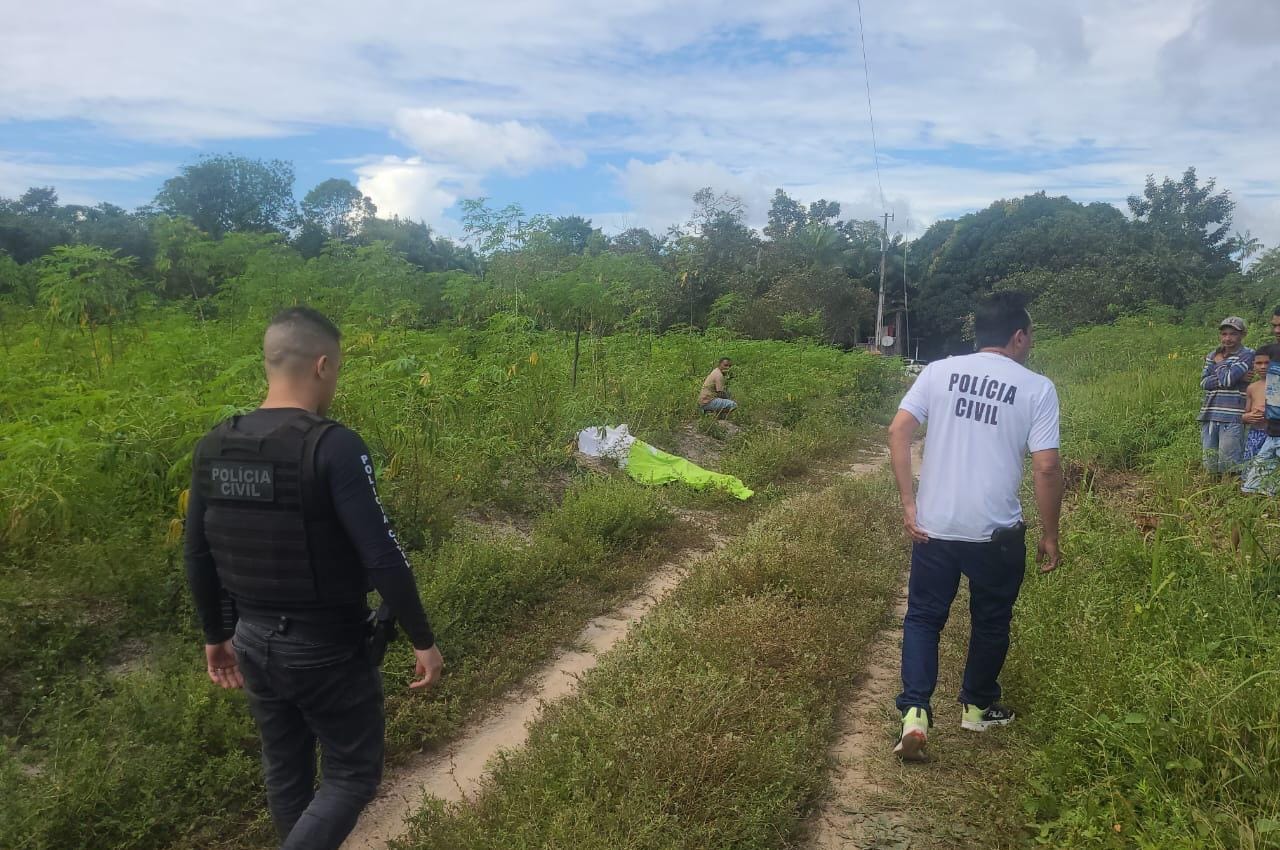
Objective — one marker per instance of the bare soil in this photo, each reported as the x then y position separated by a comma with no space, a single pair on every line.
700,448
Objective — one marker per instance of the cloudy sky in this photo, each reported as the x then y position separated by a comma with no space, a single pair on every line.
620,110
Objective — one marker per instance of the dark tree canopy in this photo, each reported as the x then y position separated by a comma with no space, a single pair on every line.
35,223
785,216
37,201
337,208
570,233
807,273
417,243
638,240
227,194
1187,216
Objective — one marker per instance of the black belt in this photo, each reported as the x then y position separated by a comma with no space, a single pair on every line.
283,624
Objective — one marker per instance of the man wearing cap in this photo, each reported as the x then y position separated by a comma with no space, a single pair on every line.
1224,379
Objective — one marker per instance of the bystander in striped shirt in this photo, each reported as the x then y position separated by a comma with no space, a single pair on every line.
1224,386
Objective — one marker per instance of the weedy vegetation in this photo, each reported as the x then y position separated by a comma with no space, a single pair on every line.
1144,669
106,716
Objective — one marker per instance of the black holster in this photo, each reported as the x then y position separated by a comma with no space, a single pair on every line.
380,630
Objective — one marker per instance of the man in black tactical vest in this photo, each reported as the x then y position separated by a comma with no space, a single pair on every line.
285,537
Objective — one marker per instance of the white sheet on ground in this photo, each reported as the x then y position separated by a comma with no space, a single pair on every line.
606,441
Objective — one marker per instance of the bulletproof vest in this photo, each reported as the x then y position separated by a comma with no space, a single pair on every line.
271,526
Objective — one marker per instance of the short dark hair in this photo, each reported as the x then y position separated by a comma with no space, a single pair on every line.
307,318
1270,351
999,316
722,359
1276,310
297,335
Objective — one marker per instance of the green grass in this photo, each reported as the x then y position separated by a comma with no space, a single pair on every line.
1127,390
1144,669
1150,666
136,753
105,714
709,727
1166,720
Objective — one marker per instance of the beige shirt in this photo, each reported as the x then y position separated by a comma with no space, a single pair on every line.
712,387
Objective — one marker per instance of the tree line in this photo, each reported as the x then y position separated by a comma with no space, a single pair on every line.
226,234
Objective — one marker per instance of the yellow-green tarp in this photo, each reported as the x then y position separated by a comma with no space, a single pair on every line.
651,466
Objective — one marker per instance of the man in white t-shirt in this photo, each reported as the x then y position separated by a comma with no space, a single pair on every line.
985,412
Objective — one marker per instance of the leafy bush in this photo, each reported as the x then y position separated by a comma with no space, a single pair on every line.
611,511
1163,717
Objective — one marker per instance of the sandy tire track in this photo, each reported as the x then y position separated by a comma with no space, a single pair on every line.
865,721
456,771
844,820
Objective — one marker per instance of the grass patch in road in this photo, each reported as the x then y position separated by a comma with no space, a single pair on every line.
968,794
710,726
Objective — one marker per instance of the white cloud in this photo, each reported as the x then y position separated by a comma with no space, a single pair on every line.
410,188
1084,97
455,153
19,172
1261,217
452,137
661,193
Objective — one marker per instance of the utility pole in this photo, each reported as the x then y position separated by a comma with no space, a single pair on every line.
515,279
906,340
884,246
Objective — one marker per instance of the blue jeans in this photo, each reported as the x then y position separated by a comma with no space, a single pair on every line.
1223,445
995,573
718,405
304,691
1261,476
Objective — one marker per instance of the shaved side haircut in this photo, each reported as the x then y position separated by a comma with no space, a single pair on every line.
296,337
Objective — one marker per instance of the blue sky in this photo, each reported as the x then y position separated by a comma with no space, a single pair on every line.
621,111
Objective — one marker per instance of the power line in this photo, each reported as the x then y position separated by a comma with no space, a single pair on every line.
866,75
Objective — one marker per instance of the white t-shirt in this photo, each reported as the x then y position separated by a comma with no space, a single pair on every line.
985,412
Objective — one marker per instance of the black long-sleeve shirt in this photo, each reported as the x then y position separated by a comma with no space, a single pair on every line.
343,463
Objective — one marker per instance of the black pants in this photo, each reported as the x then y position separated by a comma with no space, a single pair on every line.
302,692
995,572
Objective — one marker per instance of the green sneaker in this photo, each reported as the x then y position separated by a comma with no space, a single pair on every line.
915,729
977,719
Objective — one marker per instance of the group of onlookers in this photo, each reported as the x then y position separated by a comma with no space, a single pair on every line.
1236,434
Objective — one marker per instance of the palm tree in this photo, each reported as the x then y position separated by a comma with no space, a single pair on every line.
1245,245
823,245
